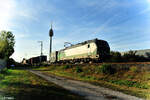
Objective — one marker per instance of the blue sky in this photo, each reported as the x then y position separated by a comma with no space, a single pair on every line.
123,23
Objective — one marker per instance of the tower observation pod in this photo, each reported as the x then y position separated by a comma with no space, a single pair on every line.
50,35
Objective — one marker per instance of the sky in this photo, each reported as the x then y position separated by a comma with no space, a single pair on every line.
124,24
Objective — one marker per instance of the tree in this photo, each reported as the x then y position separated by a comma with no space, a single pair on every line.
148,54
7,42
115,56
132,56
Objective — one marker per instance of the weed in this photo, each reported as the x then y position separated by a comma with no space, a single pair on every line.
129,83
130,77
133,69
97,69
78,69
107,69
67,66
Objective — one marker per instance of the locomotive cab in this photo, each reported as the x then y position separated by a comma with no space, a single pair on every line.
103,49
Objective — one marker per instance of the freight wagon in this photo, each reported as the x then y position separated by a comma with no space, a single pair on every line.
36,60
92,50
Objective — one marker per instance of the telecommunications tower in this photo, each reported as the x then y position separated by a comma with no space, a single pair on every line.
50,35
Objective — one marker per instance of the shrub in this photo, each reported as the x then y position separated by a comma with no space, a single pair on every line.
107,69
78,69
67,66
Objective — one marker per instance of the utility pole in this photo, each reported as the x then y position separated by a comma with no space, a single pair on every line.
50,35
41,42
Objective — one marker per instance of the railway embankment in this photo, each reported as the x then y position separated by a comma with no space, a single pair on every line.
129,78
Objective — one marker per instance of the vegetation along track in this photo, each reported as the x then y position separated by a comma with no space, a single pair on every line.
112,63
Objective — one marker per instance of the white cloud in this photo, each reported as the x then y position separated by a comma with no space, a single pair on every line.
7,8
28,14
22,35
147,7
148,1
101,5
104,26
98,6
146,10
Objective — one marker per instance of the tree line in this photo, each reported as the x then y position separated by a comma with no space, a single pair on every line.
130,56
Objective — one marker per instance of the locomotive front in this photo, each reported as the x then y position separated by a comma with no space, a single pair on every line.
92,50
103,49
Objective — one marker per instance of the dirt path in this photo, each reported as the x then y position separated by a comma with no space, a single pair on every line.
91,92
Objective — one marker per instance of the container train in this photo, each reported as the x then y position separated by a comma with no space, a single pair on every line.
88,51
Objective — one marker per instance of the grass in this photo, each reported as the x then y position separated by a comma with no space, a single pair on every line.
107,69
133,80
23,85
129,83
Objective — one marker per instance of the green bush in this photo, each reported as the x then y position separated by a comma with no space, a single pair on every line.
134,69
107,69
67,66
78,69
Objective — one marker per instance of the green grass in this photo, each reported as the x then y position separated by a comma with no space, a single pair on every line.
23,85
129,81
67,66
